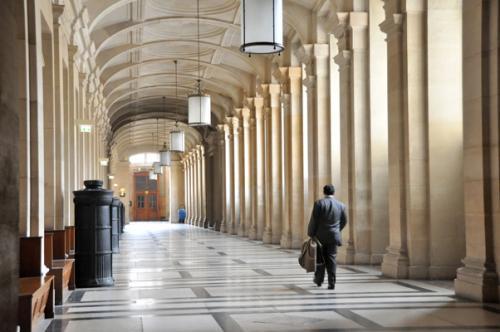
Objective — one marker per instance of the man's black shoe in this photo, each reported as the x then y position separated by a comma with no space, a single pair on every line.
331,286
317,283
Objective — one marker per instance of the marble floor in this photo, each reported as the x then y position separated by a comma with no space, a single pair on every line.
182,278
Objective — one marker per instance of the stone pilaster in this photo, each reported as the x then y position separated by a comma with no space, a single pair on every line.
344,60
286,234
59,94
259,168
478,278
237,205
408,253
267,165
276,163
230,212
221,142
296,187
246,180
203,187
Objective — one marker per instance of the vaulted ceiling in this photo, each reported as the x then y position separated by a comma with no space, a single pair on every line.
137,41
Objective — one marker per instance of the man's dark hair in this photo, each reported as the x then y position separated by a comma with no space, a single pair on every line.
329,189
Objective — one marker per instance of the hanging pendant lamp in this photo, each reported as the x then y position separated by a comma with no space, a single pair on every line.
262,26
177,135
199,103
157,167
164,152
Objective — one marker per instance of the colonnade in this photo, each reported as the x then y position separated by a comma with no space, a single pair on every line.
195,188
375,107
57,97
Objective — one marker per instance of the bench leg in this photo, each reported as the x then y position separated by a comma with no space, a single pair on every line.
49,308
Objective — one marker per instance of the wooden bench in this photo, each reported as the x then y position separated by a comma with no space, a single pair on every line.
61,268
36,301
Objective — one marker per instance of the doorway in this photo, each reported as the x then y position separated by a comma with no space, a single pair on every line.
146,207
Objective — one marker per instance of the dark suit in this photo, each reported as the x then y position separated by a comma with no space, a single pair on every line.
328,218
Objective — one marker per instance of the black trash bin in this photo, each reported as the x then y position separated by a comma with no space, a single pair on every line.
93,250
115,225
122,217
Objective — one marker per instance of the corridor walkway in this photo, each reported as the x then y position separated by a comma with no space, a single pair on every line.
181,278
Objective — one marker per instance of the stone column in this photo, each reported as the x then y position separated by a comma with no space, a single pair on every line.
60,142
322,142
203,187
478,278
252,232
221,154
343,60
355,108
296,187
49,129
197,186
259,168
276,163
176,190
238,206
9,159
37,151
22,67
267,165
286,152
187,192
407,254
246,180
378,134
72,146
230,193
192,182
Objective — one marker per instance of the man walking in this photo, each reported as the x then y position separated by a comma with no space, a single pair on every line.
327,221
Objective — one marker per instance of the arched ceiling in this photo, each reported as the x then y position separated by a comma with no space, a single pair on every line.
137,41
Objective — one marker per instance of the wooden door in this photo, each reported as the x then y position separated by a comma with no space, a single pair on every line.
145,198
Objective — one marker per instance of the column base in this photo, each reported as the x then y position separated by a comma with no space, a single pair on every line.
395,264
204,223
267,236
252,234
345,254
223,227
233,229
241,230
476,282
286,240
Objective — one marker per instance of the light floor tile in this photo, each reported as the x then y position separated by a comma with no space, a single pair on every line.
293,321
104,325
199,323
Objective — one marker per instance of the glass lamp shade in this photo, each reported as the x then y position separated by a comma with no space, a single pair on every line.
157,168
165,158
262,26
152,175
177,141
199,110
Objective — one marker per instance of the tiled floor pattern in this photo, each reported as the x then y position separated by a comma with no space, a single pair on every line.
182,278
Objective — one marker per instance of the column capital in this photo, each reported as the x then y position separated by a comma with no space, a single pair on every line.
392,25
263,90
57,11
245,114
358,20
343,59
274,89
258,102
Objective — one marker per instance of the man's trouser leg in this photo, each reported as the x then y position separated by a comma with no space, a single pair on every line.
330,256
319,274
